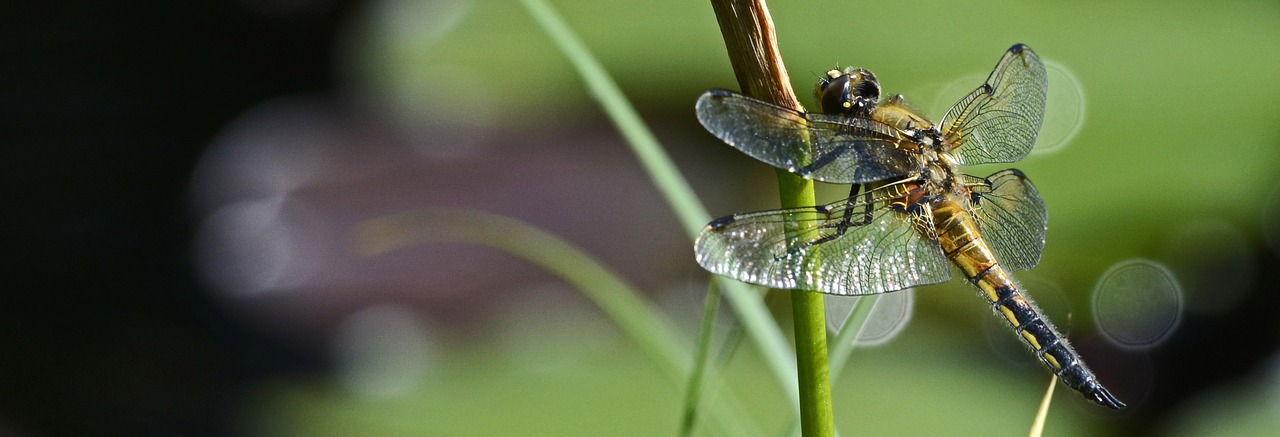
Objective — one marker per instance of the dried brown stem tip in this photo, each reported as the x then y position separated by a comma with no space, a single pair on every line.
753,51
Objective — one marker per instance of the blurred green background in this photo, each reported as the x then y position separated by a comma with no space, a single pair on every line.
321,115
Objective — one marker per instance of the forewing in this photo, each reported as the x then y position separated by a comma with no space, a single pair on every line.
999,121
821,147
884,250
1011,216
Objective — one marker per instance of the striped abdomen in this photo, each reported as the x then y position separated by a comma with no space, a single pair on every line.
963,244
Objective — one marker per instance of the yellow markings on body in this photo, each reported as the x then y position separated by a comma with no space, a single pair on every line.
847,104
1053,361
1031,339
1008,314
989,289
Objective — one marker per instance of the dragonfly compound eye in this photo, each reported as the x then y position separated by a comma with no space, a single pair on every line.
865,84
852,92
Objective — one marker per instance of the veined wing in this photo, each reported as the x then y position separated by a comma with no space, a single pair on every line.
999,121
823,147
855,246
1011,216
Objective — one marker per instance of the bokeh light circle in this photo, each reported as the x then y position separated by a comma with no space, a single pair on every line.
247,247
952,92
1064,113
1137,304
890,314
383,351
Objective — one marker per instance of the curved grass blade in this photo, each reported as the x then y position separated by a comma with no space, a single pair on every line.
654,334
844,341
693,391
674,188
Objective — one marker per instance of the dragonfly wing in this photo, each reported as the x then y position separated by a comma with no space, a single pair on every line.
879,251
1012,217
817,146
999,121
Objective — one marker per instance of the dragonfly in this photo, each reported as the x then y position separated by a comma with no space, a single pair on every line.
911,213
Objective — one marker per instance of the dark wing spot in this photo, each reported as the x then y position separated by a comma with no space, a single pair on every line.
721,222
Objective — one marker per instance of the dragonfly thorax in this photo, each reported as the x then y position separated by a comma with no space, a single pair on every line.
940,172
897,114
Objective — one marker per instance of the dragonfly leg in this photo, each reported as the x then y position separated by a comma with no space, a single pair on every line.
847,221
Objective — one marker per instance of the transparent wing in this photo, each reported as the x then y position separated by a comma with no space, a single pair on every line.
850,247
999,121
1011,216
817,146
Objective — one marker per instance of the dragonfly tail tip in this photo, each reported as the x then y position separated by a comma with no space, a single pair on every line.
1106,399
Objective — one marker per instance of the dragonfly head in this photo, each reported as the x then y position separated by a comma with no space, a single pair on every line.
853,91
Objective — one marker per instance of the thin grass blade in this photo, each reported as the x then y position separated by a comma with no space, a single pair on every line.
754,316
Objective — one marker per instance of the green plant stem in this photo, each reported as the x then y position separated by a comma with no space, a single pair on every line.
809,318
749,38
811,360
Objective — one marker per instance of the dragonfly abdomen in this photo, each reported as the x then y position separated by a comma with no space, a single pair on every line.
1037,332
963,244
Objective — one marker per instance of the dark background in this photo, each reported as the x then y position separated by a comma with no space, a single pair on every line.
107,107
